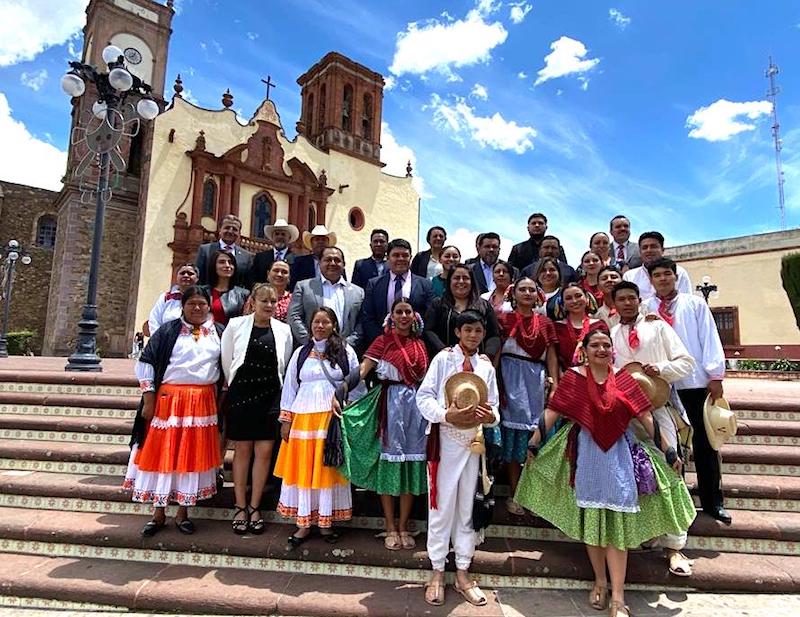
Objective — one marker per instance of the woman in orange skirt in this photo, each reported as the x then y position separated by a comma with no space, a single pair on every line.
313,493
178,374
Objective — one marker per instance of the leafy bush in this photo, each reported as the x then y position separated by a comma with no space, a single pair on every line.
19,343
790,277
783,365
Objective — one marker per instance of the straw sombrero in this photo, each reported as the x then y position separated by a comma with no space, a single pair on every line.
466,390
319,230
655,388
719,420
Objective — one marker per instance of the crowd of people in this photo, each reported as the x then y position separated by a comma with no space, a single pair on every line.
586,387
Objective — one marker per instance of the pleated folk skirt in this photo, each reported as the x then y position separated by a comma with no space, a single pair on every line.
180,455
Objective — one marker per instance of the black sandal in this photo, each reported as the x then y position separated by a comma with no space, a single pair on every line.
330,538
294,541
256,527
152,527
241,525
185,526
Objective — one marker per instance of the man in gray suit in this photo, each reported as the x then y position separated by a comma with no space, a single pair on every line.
329,289
229,234
624,253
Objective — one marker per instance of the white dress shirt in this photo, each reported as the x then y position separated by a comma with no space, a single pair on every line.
164,310
658,345
333,297
280,254
642,279
694,324
488,272
390,292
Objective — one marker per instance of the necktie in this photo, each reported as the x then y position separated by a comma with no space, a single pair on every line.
278,255
172,295
467,366
633,337
663,309
398,287
620,252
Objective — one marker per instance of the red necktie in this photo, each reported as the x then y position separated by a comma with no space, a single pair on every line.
633,337
172,295
663,311
620,252
467,366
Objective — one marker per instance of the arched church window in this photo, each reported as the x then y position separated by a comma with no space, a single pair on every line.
366,118
312,216
209,198
310,113
46,231
323,93
347,108
263,214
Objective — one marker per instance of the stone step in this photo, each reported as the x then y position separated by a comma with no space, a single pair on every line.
63,451
72,424
776,428
9,411
126,379
12,400
498,562
68,388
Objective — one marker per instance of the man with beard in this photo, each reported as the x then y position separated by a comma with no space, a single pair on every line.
551,247
281,234
307,266
229,234
488,252
624,253
525,253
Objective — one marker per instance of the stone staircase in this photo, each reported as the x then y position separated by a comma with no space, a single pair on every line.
69,536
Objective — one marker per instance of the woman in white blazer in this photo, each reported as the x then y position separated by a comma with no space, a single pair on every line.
255,351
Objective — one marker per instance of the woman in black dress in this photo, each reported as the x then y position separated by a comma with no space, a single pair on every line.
255,351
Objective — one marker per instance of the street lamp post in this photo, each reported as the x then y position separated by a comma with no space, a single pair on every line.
707,288
113,119
13,252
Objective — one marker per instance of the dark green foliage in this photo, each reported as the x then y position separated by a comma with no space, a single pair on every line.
19,343
790,277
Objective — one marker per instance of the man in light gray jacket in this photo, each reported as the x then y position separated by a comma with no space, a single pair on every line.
329,289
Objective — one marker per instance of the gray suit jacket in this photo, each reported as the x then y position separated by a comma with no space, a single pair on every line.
244,260
631,250
307,297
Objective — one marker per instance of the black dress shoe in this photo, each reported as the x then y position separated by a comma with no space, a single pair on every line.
719,513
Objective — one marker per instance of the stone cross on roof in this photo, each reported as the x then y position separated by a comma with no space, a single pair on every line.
269,83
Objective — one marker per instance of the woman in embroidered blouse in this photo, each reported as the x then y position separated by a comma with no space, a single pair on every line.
606,280
227,299
502,274
593,480
255,352
600,245
312,493
178,374
450,257
590,269
528,364
278,277
168,306
384,432
576,324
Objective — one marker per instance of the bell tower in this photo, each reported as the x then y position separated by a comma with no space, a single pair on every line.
141,29
342,102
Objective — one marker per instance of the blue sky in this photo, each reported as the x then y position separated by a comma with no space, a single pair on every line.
578,109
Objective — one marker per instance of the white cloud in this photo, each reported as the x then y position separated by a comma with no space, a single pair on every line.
189,97
29,27
723,119
397,157
217,46
389,82
568,57
34,80
26,159
252,35
493,131
618,19
485,7
441,46
522,75
584,81
519,11
480,92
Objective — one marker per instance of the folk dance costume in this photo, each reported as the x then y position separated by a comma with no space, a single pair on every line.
592,479
655,342
523,376
693,322
281,311
452,481
179,458
608,314
641,277
167,307
384,432
312,493
570,340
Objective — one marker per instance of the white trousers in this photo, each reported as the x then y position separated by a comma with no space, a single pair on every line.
452,520
669,432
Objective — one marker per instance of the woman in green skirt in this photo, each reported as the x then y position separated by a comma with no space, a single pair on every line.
384,432
593,480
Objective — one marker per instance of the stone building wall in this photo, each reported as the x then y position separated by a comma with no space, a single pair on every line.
21,207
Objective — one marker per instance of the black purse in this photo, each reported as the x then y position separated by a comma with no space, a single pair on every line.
333,451
483,504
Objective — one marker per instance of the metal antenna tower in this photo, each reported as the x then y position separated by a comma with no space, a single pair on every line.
772,96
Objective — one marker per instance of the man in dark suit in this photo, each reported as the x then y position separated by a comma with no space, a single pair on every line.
307,266
525,253
624,253
435,238
488,252
229,234
375,265
382,290
281,234
551,247
472,260
329,289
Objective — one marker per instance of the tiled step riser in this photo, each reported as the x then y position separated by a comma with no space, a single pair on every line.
766,414
66,411
50,388
61,606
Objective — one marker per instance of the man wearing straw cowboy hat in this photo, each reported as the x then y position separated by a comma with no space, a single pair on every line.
694,324
656,357
307,266
458,397
281,234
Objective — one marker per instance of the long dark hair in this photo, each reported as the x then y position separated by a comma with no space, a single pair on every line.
548,260
335,350
447,296
211,273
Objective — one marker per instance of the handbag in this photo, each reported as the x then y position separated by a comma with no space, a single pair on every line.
333,450
643,471
483,504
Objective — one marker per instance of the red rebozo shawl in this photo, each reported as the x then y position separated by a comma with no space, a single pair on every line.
569,337
406,353
573,400
533,333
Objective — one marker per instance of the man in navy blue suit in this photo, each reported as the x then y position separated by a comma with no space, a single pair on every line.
375,265
307,266
398,282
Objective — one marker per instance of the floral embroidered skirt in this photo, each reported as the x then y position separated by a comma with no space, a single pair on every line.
544,490
311,493
179,457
